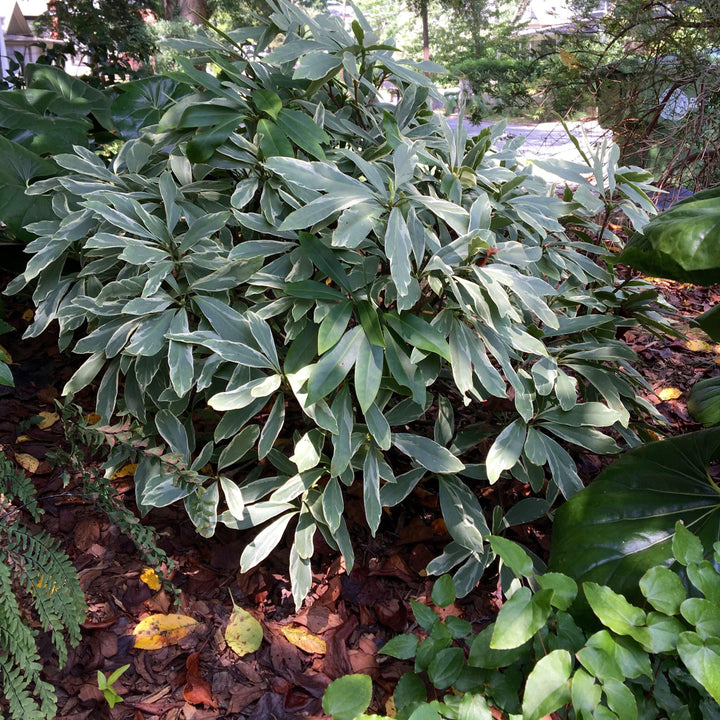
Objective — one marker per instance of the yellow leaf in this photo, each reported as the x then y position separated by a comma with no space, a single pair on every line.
669,393
151,579
569,59
28,315
390,709
125,471
695,345
159,631
306,641
243,634
23,438
28,462
92,418
48,419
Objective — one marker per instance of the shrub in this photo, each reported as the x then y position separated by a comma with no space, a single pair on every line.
287,287
535,659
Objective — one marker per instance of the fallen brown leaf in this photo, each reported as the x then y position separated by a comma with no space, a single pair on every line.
197,690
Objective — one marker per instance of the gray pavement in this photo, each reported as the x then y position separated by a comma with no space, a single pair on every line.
548,139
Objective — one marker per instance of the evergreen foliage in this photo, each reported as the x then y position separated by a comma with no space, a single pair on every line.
35,573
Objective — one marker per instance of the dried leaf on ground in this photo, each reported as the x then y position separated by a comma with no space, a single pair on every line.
159,631
304,640
244,634
197,690
125,471
151,579
27,462
48,419
669,393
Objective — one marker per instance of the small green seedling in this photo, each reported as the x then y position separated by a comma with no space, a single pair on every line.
106,685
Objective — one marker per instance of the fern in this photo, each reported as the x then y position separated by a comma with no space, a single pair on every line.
34,573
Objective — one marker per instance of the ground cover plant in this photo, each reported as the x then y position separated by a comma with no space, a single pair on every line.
538,658
286,287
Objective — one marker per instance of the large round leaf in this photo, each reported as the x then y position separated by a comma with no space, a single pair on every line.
623,523
682,243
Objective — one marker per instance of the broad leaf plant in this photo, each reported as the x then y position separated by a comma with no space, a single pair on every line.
286,287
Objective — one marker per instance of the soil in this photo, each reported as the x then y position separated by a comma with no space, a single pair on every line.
353,615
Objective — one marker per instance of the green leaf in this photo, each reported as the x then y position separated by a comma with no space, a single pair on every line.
427,453
445,667
483,655
443,592
624,522
272,427
334,365
18,168
520,618
512,555
506,449
317,66
402,647
398,248
267,101
347,697
333,326
264,542
368,374
324,259
273,141
564,589
173,432
703,615
616,613
620,699
547,687
681,243
704,401
410,690
663,589
239,446
702,659
418,333
426,617
378,426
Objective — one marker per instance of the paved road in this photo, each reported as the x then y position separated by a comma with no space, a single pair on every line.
544,140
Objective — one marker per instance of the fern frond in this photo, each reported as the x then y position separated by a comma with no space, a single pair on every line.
17,487
49,577
16,687
17,640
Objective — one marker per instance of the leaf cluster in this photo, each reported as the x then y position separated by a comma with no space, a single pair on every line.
286,287
535,659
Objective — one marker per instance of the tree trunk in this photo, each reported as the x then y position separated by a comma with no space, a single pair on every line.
186,9
425,29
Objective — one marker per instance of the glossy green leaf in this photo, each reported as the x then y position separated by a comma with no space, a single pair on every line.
547,687
348,696
273,426
18,168
264,542
512,555
506,449
702,659
273,140
681,243
333,326
704,401
663,589
368,373
402,647
520,618
616,613
624,522
443,592
239,446
428,453
445,667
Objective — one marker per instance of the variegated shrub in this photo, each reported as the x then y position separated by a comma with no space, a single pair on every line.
290,286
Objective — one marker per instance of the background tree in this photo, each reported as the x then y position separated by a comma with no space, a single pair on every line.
112,37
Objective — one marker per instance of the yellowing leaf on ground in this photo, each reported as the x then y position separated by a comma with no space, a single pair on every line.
125,471
243,634
28,315
92,418
669,393
695,345
151,579
22,438
27,462
159,631
306,641
48,419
